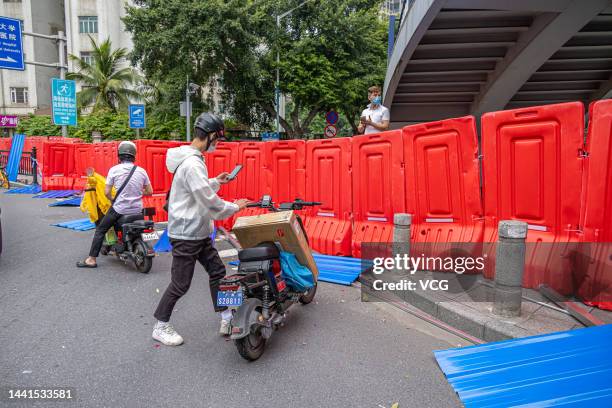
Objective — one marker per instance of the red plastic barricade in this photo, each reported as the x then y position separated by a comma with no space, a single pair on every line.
442,184
105,157
286,169
83,158
596,215
57,183
151,156
223,159
5,144
328,180
378,186
59,159
251,183
156,201
532,172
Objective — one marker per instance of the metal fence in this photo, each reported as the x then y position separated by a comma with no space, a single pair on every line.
27,164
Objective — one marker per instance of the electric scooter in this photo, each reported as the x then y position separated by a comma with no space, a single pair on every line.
258,293
133,236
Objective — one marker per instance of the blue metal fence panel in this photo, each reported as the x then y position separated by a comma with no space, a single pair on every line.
35,189
58,194
569,369
78,225
71,202
12,168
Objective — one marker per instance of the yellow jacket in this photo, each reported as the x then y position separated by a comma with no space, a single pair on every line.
94,202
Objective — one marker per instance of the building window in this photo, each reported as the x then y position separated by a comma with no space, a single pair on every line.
88,24
12,1
19,95
87,57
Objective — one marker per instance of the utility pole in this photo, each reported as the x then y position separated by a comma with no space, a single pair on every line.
61,41
188,110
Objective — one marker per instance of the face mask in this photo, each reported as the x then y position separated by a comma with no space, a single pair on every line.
211,148
377,100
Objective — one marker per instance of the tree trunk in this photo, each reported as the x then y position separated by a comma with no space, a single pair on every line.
272,112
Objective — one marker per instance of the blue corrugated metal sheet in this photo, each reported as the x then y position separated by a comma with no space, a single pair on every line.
71,202
25,190
569,369
12,167
335,269
58,194
78,225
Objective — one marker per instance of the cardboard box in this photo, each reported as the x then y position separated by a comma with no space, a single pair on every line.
282,227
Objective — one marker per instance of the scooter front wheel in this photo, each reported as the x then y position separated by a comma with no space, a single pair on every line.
252,346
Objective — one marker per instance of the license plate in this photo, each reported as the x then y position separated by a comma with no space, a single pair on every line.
229,298
149,236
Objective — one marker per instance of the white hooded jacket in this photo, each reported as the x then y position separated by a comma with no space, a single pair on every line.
193,203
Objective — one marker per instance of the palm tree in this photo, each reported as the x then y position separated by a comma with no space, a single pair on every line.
105,84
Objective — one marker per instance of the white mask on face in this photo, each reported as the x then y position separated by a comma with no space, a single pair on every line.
211,148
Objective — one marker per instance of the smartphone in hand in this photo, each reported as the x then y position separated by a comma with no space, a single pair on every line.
235,172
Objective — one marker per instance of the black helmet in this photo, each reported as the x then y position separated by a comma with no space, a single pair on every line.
210,123
127,148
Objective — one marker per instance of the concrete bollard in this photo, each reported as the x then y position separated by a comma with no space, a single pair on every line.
509,268
401,234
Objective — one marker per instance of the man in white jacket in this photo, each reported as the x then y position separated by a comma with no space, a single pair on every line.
193,204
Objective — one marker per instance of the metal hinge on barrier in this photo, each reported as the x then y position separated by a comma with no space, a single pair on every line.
583,154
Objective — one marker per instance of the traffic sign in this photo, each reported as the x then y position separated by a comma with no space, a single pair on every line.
11,46
331,131
63,102
137,116
331,117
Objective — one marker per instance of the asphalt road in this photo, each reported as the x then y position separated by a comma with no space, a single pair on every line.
91,330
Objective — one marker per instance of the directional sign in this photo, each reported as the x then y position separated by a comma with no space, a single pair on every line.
331,131
11,47
331,117
63,102
137,117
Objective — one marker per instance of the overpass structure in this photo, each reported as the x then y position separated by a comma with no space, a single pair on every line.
457,57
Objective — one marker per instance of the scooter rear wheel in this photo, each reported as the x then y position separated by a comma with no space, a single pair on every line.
309,295
142,262
252,346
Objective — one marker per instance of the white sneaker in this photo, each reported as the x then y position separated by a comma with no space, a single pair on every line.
226,328
165,333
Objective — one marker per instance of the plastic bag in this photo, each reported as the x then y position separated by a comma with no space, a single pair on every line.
111,237
298,277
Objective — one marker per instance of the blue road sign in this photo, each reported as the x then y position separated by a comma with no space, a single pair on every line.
137,117
331,117
63,102
11,47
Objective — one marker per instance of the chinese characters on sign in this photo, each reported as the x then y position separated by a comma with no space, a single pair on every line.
63,102
11,48
8,121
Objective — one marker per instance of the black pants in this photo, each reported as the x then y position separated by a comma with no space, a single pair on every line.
102,227
185,253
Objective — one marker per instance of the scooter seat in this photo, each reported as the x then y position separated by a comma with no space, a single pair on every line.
125,219
259,253
144,223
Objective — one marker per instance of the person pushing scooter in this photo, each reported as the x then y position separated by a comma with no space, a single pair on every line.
193,204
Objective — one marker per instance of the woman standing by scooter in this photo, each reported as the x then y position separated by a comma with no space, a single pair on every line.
193,204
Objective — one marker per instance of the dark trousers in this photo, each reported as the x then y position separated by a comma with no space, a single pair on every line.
102,227
185,253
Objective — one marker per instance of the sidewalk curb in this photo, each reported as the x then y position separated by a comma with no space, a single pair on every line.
485,327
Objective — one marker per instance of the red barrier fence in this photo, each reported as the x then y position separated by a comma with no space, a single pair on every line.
442,184
596,213
328,180
378,186
532,172
224,159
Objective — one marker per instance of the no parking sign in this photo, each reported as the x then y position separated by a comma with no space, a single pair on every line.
330,131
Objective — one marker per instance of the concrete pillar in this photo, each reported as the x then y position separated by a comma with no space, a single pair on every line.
401,233
509,268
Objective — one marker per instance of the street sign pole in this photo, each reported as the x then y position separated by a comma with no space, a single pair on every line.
61,42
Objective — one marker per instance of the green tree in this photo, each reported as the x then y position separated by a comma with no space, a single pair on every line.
330,52
105,83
